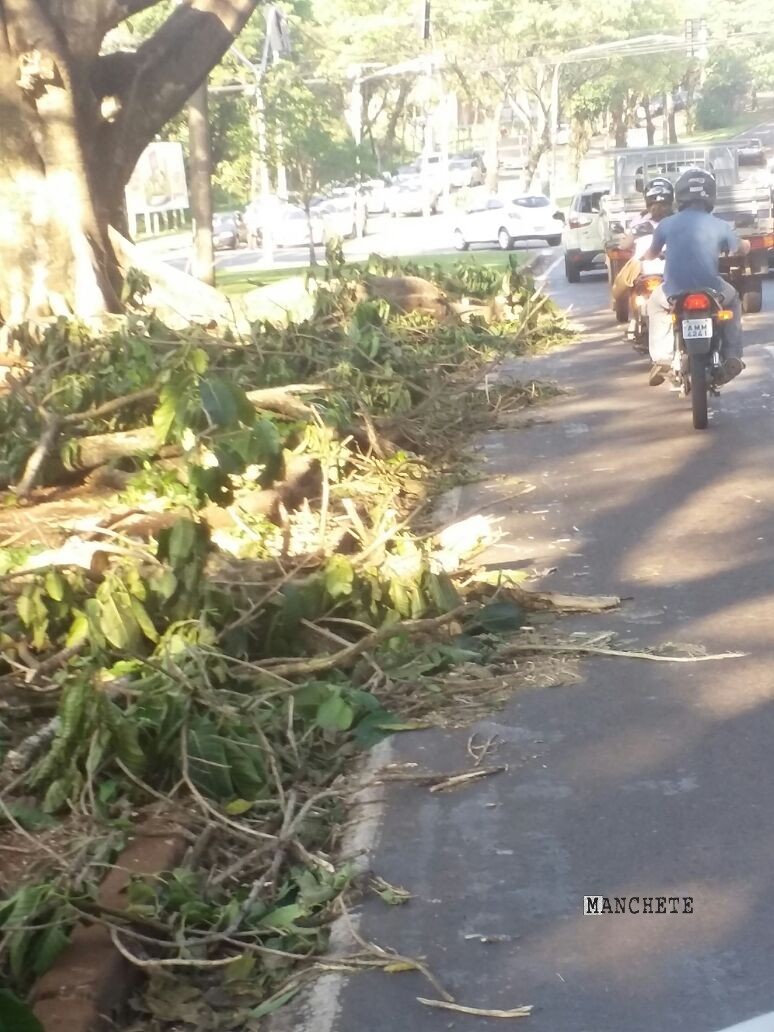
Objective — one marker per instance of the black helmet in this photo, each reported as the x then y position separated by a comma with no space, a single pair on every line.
696,185
659,189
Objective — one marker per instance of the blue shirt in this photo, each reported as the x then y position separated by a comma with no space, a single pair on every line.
694,240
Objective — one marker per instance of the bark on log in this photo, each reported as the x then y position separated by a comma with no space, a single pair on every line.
407,294
179,298
102,449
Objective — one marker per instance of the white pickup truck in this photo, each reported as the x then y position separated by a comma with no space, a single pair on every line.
745,203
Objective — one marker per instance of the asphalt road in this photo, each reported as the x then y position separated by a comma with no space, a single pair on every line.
407,235
646,779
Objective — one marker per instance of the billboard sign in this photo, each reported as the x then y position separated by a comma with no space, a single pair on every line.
158,182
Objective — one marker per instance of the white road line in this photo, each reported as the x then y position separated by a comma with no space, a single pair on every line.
763,1023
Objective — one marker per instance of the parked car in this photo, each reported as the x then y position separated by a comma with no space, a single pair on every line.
260,212
343,214
228,231
375,191
291,227
465,170
751,152
583,235
411,195
504,221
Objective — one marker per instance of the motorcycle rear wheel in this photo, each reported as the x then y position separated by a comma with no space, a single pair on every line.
698,373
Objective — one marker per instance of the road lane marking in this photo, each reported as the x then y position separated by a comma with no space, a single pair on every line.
763,1023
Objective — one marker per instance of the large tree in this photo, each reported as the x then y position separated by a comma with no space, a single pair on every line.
75,119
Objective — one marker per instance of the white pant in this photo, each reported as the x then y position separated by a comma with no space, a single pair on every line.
661,340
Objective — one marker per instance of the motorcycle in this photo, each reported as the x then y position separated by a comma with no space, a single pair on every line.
643,287
698,318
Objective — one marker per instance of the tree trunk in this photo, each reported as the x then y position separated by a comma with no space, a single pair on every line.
54,255
74,123
670,117
310,230
619,124
650,125
390,134
200,168
492,159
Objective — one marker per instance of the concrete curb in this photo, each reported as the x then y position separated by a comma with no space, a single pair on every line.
90,978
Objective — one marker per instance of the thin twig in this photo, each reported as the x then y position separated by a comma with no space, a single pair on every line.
619,653
477,1012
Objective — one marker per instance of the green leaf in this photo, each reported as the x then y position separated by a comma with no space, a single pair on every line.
30,818
79,630
199,361
115,625
16,1016
165,584
107,791
57,795
335,714
25,609
48,947
443,593
273,1003
166,412
339,577
392,895
144,622
182,540
283,917
224,404
241,968
209,765
55,585
237,807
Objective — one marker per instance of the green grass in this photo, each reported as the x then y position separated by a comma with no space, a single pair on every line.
746,120
241,281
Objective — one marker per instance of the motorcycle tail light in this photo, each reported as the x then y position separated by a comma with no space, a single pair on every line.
762,243
725,315
695,302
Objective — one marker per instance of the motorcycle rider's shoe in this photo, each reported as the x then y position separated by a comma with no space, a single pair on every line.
732,367
658,373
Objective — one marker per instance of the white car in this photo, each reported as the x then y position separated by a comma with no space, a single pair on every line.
584,233
503,221
376,196
411,195
465,171
291,228
342,214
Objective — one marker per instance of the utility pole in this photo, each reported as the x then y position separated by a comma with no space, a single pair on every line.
203,260
426,20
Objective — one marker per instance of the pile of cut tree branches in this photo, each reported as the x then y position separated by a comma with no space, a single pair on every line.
220,580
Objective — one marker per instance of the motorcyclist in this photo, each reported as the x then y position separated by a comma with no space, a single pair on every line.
659,202
694,239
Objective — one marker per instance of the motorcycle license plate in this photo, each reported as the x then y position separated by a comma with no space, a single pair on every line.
697,329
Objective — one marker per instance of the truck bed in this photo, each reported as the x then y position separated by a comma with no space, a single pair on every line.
745,204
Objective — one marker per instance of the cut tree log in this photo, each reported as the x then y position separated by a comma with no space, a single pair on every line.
407,294
179,298
102,449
